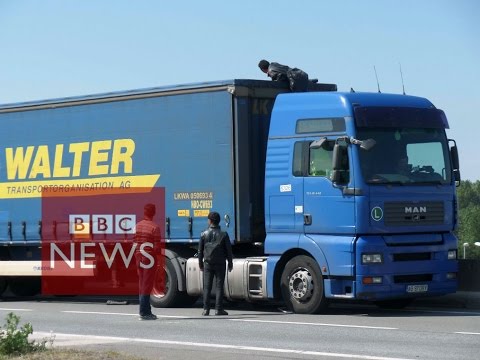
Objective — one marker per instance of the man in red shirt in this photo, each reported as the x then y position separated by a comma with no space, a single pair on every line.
147,238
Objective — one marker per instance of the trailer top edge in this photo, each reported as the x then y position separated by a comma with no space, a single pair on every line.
225,85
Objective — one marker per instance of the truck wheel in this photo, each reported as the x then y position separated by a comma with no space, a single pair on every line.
172,297
170,293
394,304
302,286
25,286
187,300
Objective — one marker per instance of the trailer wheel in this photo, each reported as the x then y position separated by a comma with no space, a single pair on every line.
3,285
302,286
25,286
172,297
4,256
394,304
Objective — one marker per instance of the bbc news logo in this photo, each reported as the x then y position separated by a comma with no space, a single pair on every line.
87,254
106,224
97,224
101,246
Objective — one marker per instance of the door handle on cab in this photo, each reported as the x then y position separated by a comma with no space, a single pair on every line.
307,219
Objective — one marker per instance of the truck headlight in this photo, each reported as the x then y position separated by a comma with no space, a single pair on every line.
368,280
452,254
451,276
372,258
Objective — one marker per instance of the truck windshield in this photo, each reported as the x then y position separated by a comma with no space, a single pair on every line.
405,156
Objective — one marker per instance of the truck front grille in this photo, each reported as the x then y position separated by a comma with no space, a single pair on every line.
414,214
402,279
412,256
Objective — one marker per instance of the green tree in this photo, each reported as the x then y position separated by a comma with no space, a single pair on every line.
468,194
469,218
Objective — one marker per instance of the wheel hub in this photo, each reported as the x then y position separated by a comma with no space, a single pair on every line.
301,285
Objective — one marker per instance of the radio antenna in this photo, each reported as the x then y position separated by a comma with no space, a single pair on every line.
378,85
401,75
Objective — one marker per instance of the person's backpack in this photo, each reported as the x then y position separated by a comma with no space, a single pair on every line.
298,80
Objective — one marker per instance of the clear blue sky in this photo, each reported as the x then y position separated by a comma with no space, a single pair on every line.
60,48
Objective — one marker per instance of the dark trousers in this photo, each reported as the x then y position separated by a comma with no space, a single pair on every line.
209,271
146,278
145,308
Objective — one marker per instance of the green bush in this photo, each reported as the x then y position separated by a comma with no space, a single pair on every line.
14,340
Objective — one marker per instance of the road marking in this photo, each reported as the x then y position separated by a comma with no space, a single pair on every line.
8,309
245,320
315,324
96,313
443,312
95,338
122,314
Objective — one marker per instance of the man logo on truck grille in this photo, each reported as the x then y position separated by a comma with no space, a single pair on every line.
377,213
415,209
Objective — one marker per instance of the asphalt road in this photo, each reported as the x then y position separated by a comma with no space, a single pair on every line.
345,332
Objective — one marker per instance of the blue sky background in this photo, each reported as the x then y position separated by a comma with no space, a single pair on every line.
60,48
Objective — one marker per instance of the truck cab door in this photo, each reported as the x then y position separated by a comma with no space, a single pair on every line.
284,187
328,209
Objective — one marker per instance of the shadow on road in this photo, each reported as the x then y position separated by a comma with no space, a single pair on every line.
357,308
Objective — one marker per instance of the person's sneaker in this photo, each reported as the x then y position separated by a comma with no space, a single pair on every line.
221,312
148,317
206,312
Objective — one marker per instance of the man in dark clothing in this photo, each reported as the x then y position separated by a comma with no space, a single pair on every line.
296,79
214,248
275,71
147,233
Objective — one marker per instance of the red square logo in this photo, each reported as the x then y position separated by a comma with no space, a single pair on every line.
104,242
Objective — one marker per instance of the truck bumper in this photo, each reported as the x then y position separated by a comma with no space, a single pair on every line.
407,271
398,291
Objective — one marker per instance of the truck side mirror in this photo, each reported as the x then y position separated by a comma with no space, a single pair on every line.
364,144
368,144
317,144
338,164
336,176
455,164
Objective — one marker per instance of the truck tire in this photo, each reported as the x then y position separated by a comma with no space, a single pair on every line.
394,304
172,297
302,286
25,286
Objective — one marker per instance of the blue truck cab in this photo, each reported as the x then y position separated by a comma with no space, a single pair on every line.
364,184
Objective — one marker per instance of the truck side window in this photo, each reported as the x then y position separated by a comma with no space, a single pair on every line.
298,158
320,162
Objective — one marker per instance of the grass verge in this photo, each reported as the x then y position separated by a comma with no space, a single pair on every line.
71,354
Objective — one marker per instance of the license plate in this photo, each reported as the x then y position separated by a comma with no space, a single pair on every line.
417,288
